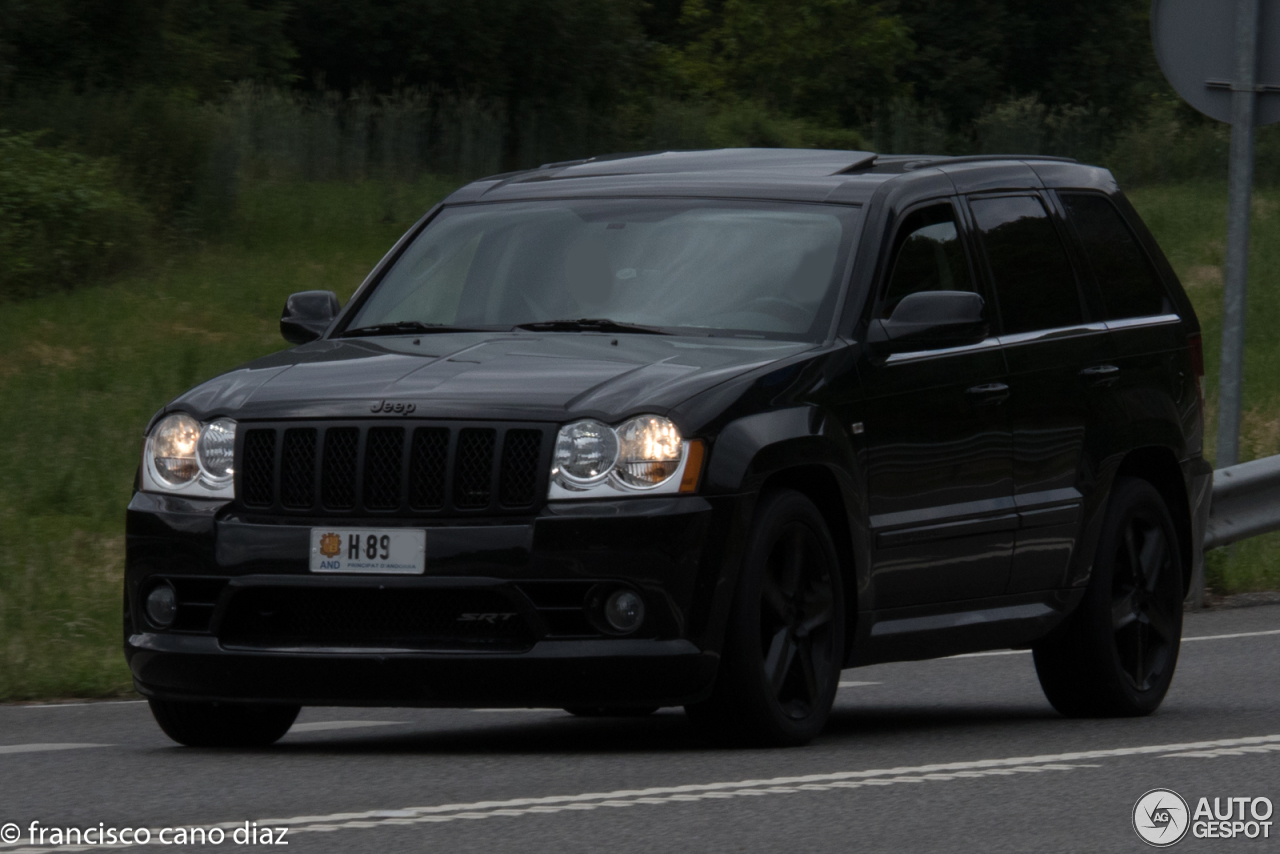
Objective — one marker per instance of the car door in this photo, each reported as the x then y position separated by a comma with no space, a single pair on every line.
937,436
1059,367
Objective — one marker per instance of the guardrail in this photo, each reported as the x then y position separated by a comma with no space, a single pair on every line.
1246,502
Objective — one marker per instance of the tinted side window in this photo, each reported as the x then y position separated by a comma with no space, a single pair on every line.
1035,286
929,256
1130,287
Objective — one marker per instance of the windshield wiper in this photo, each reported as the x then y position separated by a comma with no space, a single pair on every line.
406,327
588,324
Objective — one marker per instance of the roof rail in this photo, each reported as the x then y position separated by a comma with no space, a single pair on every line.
980,158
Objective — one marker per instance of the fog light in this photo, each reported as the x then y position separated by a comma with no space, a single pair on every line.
624,611
162,606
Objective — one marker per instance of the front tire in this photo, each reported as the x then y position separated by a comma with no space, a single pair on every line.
784,647
1115,655
223,724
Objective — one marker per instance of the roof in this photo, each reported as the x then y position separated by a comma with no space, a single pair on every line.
811,175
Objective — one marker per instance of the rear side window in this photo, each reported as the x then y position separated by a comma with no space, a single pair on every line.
1130,286
929,256
1034,282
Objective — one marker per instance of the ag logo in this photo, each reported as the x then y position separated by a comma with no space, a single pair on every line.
1160,817
330,545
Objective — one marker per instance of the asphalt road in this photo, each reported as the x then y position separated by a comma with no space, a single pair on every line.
960,754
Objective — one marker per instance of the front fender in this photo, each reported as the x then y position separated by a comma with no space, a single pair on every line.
750,449
804,448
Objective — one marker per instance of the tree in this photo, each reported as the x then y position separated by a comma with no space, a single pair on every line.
830,60
202,45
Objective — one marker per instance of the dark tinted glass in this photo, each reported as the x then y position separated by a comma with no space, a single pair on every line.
1130,287
693,266
930,257
1035,286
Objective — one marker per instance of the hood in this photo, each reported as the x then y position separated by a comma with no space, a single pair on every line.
510,376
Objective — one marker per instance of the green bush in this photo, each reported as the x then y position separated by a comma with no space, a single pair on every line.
63,219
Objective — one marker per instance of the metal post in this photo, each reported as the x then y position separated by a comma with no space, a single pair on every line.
1239,197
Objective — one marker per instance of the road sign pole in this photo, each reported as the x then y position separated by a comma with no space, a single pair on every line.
1239,198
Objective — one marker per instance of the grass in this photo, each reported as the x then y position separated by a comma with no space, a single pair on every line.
82,372
1189,221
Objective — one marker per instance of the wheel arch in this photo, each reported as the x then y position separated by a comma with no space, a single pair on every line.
802,448
1158,466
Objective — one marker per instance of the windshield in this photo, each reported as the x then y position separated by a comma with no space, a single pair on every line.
761,269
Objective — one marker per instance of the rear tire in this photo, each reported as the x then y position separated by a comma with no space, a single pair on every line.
784,647
223,724
1115,655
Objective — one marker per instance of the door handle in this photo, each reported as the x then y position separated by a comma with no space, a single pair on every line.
988,394
1100,375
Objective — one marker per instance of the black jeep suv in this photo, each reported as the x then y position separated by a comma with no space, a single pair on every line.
690,428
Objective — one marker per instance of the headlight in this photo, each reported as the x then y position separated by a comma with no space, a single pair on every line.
171,450
642,454
649,452
217,450
183,455
585,453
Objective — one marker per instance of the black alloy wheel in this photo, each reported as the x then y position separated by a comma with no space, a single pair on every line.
1116,654
784,647
796,614
1147,624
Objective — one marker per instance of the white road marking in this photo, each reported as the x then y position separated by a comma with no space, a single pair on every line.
1236,635
1184,640
858,684
41,748
836,781
1226,751
68,705
517,710
321,726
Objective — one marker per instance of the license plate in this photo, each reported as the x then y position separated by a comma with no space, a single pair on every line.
375,551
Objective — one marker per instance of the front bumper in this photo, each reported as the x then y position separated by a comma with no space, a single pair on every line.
671,549
553,673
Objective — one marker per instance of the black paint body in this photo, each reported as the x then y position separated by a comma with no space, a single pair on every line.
964,520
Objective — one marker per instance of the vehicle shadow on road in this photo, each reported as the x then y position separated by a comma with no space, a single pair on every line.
668,731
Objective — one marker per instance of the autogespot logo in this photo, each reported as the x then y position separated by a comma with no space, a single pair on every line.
1160,817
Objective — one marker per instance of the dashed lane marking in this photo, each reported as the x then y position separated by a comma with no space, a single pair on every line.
840,780
323,726
41,748
1184,640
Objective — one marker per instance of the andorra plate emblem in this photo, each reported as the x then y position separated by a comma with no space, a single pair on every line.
330,545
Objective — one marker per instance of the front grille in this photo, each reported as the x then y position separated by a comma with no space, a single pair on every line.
409,468
427,467
373,618
383,463
520,467
338,480
257,466
473,468
298,468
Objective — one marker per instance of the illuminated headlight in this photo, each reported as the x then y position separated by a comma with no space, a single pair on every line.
649,451
184,456
642,454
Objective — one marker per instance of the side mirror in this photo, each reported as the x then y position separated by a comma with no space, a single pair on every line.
932,320
307,314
